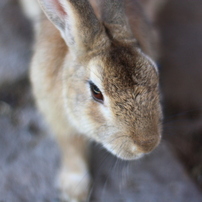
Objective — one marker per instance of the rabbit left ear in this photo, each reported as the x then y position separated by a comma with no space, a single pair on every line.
76,22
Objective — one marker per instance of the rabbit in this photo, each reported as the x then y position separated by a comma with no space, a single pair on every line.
94,78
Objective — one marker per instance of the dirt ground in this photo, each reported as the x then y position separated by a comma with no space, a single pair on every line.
29,156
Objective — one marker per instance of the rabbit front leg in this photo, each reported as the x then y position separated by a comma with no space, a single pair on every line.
73,177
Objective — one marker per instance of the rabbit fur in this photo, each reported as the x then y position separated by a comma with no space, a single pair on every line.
110,44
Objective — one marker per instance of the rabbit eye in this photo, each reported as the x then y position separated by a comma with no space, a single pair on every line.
96,93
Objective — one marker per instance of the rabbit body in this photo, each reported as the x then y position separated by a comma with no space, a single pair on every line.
93,78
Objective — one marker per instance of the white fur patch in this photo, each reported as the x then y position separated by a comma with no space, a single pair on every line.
134,150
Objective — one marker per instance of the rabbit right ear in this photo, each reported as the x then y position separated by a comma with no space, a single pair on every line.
115,20
76,22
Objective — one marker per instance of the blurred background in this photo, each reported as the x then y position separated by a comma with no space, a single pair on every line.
29,156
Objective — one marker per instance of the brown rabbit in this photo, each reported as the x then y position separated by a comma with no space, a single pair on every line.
92,78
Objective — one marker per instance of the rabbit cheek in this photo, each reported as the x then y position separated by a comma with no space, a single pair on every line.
75,102
96,120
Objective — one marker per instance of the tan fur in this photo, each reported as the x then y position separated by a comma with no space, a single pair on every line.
128,123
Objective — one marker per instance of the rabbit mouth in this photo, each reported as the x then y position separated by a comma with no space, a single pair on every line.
125,150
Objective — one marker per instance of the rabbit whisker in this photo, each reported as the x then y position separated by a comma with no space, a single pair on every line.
121,136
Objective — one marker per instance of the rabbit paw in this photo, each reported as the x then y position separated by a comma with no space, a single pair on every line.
73,186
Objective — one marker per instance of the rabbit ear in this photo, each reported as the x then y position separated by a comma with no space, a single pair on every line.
116,21
75,20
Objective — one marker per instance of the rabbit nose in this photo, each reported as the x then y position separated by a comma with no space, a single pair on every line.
148,145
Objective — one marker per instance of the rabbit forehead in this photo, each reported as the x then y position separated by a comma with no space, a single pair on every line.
126,68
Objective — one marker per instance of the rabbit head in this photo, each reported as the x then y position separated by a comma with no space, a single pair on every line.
110,87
